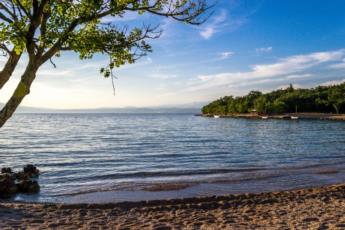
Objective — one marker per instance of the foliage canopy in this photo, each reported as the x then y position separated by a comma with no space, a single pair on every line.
323,99
44,28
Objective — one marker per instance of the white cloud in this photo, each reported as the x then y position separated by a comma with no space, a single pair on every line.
283,68
338,66
226,55
208,32
298,76
167,28
333,82
264,49
54,72
296,86
214,26
162,76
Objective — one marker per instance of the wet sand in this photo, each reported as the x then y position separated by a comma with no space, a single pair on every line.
315,208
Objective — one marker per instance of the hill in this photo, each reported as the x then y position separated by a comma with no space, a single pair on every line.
178,109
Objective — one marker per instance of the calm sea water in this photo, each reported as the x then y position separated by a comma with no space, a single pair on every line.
126,153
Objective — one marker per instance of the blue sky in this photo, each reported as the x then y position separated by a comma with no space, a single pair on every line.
246,45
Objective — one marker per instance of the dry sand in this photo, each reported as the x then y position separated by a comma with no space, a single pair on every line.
317,208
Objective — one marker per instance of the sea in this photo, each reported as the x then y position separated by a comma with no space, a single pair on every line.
101,158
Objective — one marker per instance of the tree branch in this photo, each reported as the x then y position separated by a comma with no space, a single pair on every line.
4,47
8,11
58,44
34,24
9,67
22,90
23,8
6,19
190,12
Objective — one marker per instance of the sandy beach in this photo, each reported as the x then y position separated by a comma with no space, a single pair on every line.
314,208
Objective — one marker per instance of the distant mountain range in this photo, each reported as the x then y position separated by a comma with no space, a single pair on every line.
187,108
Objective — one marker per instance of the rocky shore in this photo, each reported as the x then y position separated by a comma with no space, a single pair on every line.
315,208
306,116
12,183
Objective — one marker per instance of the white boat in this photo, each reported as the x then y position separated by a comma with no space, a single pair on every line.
264,117
216,116
294,118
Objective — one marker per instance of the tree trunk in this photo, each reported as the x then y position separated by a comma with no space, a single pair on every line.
336,108
8,69
21,91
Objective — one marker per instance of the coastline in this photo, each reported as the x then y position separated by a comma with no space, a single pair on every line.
311,208
306,116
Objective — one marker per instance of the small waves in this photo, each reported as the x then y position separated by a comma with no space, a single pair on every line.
84,152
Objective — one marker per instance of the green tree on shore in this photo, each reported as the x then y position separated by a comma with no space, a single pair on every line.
336,99
43,29
323,99
260,104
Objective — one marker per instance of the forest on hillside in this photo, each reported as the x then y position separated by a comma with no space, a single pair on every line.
322,99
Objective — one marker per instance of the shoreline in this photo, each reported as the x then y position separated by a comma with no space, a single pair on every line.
318,207
250,180
286,116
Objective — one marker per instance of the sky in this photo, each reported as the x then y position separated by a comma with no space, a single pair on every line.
246,45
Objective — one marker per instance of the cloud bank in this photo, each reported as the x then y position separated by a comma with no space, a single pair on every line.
291,67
